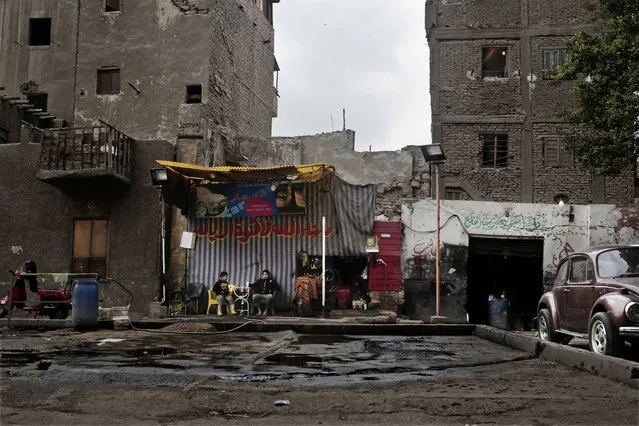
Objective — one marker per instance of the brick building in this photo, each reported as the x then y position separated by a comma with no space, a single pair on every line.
91,94
494,106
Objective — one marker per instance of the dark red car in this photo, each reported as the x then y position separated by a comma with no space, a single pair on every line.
595,296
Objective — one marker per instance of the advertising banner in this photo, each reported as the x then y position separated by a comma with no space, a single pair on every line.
250,199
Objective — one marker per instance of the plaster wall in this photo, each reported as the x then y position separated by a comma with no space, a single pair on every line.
159,48
50,67
563,229
38,219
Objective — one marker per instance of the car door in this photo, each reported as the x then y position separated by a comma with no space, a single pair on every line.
578,294
558,291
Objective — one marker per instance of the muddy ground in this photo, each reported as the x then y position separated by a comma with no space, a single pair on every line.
190,374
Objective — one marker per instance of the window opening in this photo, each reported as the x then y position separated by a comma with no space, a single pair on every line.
108,81
494,150
494,61
551,59
556,154
454,193
39,31
112,5
4,136
90,246
194,94
38,100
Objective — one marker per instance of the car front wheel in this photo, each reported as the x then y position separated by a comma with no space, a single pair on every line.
546,327
603,337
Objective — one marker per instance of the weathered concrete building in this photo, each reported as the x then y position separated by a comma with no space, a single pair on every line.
494,106
91,94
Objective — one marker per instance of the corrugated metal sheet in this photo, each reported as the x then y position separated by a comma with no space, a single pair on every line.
244,247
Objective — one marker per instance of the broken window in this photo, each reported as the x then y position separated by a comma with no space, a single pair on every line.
108,81
556,154
39,31
194,94
494,150
90,246
551,59
38,100
454,193
112,5
4,136
494,61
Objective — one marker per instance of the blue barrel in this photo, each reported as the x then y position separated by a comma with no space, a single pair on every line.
84,303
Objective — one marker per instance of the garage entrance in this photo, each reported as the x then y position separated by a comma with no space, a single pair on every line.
509,267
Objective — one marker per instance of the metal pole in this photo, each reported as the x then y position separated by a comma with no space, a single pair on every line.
323,263
437,282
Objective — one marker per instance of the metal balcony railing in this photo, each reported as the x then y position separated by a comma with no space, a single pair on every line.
100,150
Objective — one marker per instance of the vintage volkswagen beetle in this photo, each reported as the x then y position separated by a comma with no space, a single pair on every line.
595,296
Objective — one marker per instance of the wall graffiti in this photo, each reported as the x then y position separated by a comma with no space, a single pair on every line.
244,230
562,254
517,222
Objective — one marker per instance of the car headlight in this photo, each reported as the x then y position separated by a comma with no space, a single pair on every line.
632,311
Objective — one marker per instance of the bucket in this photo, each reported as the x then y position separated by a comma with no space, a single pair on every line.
84,312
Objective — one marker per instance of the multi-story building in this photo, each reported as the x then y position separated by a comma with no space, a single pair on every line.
494,102
92,93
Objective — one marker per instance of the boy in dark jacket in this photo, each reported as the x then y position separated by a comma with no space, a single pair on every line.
223,294
264,291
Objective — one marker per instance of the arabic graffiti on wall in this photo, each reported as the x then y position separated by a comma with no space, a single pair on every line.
517,222
246,229
562,254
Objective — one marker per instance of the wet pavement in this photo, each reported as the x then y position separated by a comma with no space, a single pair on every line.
157,359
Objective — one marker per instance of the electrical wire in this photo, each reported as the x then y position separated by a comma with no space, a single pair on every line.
201,333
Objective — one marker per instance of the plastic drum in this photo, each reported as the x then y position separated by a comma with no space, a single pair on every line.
84,303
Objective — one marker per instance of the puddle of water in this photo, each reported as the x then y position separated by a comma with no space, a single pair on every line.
295,360
323,339
18,359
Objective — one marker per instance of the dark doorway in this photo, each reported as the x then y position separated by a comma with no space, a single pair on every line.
512,268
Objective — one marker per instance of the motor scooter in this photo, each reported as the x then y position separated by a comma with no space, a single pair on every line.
55,303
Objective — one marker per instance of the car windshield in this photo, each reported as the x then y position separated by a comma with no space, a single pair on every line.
618,263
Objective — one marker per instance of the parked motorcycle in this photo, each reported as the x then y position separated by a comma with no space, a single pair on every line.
55,303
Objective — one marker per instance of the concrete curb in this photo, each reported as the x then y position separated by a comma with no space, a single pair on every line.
613,368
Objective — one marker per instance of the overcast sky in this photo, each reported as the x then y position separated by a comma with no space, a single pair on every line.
368,56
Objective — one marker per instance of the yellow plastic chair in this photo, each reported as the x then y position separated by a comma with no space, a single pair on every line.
212,300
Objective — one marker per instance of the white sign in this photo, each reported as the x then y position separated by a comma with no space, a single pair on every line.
188,240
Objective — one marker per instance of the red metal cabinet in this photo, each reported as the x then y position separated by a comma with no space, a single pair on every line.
385,271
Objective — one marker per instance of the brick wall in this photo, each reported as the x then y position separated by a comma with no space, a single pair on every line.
557,12
465,104
241,67
474,14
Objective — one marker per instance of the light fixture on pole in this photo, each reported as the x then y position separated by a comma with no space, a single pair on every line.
434,154
159,177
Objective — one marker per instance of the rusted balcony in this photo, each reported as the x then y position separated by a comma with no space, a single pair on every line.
99,154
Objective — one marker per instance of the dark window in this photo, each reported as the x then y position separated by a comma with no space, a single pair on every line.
551,59
556,154
494,61
454,193
39,31
38,100
494,150
562,274
108,81
580,271
194,94
4,136
112,6
90,246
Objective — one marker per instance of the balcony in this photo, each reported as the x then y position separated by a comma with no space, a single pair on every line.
86,155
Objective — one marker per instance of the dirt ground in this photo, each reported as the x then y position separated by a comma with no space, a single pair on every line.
511,389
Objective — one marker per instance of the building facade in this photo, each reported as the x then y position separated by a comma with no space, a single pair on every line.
494,103
91,94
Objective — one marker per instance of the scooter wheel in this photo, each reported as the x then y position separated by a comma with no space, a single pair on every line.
3,312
